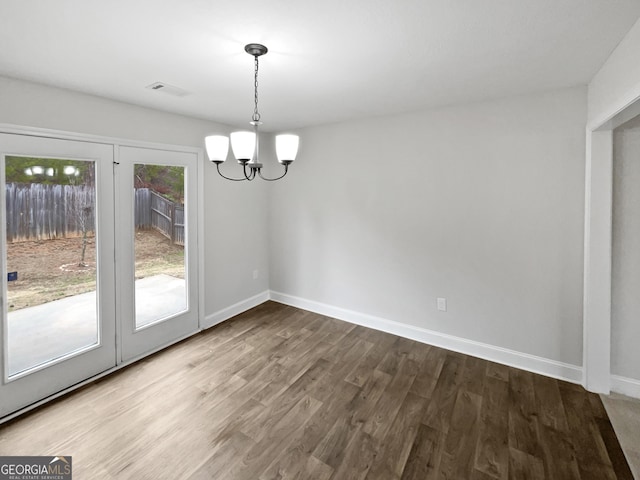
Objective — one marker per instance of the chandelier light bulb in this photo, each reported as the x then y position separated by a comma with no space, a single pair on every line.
287,148
243,145
217,148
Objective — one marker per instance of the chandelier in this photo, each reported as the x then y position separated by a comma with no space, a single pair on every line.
246,144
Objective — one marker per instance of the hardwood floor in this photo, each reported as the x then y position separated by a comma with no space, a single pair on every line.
280,393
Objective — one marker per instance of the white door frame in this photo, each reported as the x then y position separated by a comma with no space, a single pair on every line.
598,246
116,143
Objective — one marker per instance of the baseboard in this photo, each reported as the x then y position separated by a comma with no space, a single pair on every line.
626,386
235,309
512,358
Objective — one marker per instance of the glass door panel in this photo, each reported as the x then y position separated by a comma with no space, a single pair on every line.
160,285
157,273
50,260
58,274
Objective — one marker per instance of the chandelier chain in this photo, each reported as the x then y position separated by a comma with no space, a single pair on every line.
256,114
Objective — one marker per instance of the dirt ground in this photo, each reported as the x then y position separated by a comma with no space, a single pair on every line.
50,269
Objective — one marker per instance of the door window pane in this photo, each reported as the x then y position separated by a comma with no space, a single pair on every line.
160,287
51,259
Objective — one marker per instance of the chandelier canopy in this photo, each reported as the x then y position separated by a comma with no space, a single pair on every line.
246,144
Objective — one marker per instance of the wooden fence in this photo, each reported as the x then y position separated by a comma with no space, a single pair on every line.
142,206
37,212
40,212
165,216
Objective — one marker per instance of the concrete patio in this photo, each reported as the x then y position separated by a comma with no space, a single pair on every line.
39,334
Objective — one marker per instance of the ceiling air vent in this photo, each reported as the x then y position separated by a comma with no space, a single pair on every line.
168,89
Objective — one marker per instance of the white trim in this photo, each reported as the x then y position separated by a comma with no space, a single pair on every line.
92,138
630,111
608,120
597,261
119,310
235,309
200,240
597,290
626,386
586,296
524,361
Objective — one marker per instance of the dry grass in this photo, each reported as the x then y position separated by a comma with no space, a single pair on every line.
49,269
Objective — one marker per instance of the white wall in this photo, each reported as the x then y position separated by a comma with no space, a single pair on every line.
625,307
617,83
235,213
481,204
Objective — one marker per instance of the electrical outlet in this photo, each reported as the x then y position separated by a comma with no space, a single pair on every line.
442,304
255,274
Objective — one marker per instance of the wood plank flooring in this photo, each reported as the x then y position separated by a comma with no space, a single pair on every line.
280,393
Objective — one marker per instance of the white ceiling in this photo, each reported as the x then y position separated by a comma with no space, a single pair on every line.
328,60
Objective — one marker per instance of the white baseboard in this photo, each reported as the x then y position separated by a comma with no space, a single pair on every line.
512,358
235,309
626,386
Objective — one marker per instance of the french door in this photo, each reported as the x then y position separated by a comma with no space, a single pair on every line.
98,259
58,274
157,273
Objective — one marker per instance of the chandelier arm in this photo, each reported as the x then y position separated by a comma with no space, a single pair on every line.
286,169
229,178
251,175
